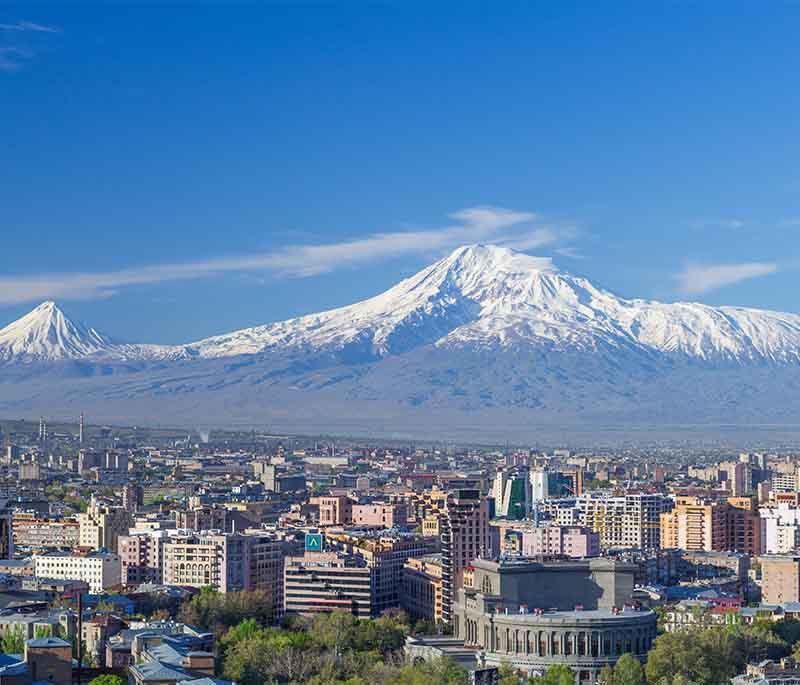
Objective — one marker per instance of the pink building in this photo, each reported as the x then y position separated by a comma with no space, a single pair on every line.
342,511
570,541
386,515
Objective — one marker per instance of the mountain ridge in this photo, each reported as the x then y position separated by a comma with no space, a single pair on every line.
486,343
479,296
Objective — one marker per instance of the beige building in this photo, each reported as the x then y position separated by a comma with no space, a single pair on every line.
101,526
385,553
697,523
780,579
228,562
421,594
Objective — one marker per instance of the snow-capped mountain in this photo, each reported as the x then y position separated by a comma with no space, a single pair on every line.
46,334
486,339
493,297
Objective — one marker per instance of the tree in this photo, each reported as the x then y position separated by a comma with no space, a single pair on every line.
508,676
628,671
13,642
43,631
555,675
606,676
107,679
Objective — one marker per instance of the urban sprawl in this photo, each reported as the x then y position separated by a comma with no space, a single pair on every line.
152,557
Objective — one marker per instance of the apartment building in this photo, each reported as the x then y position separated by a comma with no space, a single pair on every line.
421,595
101,569
101,525
551,540
697,523
38,533
465,535
228,562
624,521
781,527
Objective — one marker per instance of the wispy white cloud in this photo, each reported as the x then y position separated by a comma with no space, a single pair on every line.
729,223
33,27
17,42
697,279
476,224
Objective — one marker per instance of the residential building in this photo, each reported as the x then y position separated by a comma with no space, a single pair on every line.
465,535
624,521
101,525
229,562
421,594
698,523
385,553
101,569
554,540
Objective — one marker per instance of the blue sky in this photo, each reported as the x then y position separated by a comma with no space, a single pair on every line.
168,174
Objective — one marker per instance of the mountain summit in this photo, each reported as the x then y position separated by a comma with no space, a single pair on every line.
46,334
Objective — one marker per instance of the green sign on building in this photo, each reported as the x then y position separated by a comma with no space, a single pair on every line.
313,542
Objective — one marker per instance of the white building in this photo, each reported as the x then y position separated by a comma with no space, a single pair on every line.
781,528
101,570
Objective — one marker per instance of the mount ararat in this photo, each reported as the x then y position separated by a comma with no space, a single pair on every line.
487,342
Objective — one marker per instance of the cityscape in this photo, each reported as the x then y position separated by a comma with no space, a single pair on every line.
380,343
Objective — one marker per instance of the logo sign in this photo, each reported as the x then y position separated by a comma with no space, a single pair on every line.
313,542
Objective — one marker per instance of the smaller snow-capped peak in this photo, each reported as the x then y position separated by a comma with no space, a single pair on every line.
47,334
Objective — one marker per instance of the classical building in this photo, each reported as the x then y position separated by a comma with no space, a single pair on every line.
534,615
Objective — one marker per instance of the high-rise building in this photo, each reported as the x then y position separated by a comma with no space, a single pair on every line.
624,521
465,535
385,553
697,523
421,594
132,497
512,493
